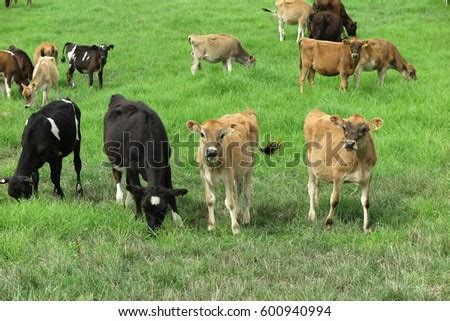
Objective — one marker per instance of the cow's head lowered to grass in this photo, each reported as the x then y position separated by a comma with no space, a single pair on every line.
18,186
356,129
155,200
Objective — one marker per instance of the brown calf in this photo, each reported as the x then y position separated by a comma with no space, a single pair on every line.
45,49
328,59
339,150
45,77
337,7
11,71
227,152
218,48
381,55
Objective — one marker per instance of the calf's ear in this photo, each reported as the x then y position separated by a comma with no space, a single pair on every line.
376,123
135,190
110,47
345,42
193,126
337,120
175,192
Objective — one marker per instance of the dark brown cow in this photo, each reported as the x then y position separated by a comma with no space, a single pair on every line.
325,25
328,59
8,3
24,61
337,7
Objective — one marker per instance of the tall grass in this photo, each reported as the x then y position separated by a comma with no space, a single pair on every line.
94,249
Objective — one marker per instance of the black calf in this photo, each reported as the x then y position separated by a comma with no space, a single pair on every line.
50,134
86,59
136,142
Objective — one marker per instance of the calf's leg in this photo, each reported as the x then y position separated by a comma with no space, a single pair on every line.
228,64
133,179
281,23
196,57
77,167
55,175
100,78
358,72
69,76
334,201
365,188
230,201
210,198
381,75
312,186
35,180
91,78
118,178
344,81
8,86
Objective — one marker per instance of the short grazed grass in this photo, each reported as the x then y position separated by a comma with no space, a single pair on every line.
94,249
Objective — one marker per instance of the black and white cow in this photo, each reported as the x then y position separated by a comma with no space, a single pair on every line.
50,134
136,143
87,60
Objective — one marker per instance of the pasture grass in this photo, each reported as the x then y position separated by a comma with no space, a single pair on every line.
94,249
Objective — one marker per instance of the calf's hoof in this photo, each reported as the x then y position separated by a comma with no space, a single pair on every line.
329,223
211,227
235,229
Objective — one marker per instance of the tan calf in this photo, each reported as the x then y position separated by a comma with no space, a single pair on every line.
45,76
338,151
218,48
45,49
328,59
227,152
292,12
381,55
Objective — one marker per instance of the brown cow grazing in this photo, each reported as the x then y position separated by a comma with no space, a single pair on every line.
325,25
381,55
218,48
45,49
11,71
337,7
338,151
45,77
24,62
328,59
226,152
292,12
8,3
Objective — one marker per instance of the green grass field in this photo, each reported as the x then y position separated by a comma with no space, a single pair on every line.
94,249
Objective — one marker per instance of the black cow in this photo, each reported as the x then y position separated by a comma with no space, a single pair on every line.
325,25
50,134
136,142
8,2
24,62
86,59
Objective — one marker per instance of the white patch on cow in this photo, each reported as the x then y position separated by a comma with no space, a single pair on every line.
11,53
66,101
177,219
129,199
26,122
8,90
71,54
155,200
2,181
54,128
86,56
119,194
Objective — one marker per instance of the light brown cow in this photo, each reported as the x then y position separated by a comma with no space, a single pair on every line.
328,59
339,150
45,49
218,48
381,55
227,152
292,12
45,77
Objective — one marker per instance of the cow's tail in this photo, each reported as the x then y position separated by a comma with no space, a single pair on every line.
64,52
268,10
271,148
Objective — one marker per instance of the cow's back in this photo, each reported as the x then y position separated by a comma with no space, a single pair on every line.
216,45
326,57
46,71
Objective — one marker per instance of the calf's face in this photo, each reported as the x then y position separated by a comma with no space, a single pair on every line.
212,134
355,47
248,61
351,28
18,186
409,72
103,51
29,94
154,201
356,129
